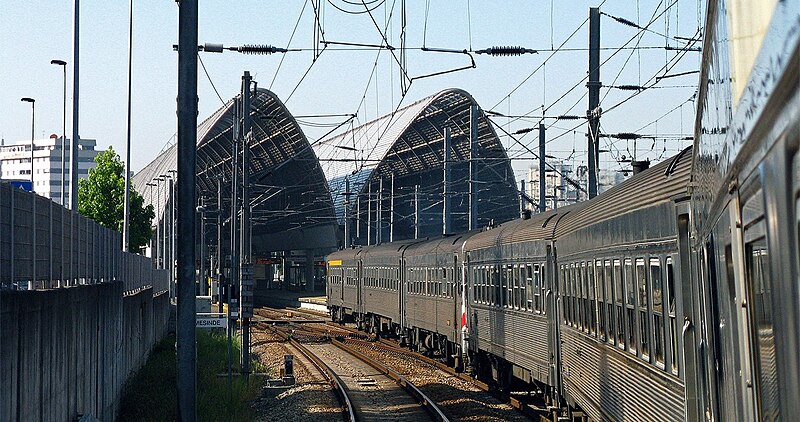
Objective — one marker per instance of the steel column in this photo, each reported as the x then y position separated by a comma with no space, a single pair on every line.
379,214
542,161
346,212
593,113
246,259
187,149
391,212
446,163
416,211
473,146
369,214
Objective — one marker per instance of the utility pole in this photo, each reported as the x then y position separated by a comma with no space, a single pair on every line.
542,158
473,146
126,225
521,198
593,113
234,265
187,149
446,210
246,278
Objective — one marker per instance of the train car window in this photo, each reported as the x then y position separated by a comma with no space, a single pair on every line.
644,317
481,275
608,274
630,303
480,279
601,289
476,286
513,281
564,294
522,298
673,328
504,281
587,299
658,310
580,298
496,292
592,298
760,286
619,315
571,293
532,295
577,314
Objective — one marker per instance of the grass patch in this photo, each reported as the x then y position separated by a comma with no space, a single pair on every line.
151,394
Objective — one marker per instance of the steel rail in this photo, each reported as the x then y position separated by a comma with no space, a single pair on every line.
426,402
325,370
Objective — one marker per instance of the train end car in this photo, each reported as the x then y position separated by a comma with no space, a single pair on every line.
343,285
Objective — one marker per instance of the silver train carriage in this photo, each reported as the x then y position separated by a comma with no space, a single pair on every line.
511,328
744,330
619,261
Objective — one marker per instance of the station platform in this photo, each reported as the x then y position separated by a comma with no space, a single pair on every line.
297,299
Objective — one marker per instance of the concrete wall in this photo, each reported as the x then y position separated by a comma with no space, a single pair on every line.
69,351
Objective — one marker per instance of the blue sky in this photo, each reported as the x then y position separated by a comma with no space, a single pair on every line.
31,35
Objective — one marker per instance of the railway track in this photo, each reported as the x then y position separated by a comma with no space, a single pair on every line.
365,388
460,396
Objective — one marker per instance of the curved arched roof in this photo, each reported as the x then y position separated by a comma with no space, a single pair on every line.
288,187
410,145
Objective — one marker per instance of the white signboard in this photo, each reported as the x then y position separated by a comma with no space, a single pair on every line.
211,321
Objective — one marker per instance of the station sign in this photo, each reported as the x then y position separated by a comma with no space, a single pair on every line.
213,320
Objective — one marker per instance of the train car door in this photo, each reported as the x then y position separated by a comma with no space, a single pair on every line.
402,293
728,323
360,292
549,274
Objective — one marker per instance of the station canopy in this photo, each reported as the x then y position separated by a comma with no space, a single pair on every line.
291,206
386,160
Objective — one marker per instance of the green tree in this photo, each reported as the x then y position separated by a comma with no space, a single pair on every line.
101,197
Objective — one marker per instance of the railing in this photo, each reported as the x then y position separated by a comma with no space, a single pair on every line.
44,245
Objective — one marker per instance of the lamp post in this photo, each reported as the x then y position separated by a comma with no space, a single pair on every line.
162,228
173,231
153,248
126,230
63,65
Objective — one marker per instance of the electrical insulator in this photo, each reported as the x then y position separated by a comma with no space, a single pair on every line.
506,51
630,87
526,130
568,117
260,49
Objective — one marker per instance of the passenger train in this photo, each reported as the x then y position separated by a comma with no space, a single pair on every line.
672,296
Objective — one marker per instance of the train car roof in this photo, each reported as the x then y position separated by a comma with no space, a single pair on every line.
388,249
538,227
448,243
662,182
351,253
